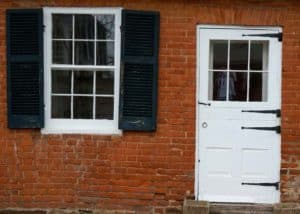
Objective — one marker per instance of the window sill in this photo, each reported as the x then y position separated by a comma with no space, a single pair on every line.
100,127
82,131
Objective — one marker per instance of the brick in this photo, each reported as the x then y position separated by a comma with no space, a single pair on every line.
138,169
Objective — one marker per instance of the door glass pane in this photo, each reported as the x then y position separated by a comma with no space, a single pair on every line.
104,108
238,55
61,81
84,53
218,85
84,27
62,52
258,55
238,86
219,53
104,82
62,26
83,107
83,82
60,107
105,26
258,86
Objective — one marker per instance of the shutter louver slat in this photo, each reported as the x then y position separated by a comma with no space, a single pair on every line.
139,33
24,68
138,98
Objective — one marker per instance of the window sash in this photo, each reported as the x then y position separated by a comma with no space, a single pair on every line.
97,126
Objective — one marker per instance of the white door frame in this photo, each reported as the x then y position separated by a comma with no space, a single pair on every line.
197,137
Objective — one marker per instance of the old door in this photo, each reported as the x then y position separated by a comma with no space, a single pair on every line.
238,114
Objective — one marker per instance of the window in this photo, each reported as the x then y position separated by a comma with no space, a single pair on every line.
82,49
64,73
238,70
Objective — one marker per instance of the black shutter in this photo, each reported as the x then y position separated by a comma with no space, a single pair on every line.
25,68
139,70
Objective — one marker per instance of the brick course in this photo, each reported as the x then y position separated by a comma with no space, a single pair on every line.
139,171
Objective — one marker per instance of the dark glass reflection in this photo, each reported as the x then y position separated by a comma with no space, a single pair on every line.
83,107
83,82
62,26
105,26
104,82
220,54
60,107
61,81
238,86
84,53
62,52
105,53
256,56
239,55
104,108
84,27
256,86
219,85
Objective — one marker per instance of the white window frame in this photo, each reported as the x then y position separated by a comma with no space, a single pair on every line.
80,126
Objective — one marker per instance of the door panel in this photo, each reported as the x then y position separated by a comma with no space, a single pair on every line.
238,74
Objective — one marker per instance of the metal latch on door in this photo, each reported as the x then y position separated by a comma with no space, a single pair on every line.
205,104
275,184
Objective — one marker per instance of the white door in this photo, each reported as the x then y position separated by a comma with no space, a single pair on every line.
238,114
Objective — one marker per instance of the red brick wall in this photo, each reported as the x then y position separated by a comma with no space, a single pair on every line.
144,169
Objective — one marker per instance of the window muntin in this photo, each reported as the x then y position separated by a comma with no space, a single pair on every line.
82,39
82,70
238,70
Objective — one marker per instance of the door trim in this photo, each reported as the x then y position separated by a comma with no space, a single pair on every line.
197,137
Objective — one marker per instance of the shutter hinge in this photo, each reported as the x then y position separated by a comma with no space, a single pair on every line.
44,27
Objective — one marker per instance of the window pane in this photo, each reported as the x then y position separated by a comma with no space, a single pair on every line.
105,53
62,52
105,26
62,26
84,27
60,107
104,108
83,82
84,53
104,82
83,107
218,85
238,86
219,54
61,81
239,55
258,55
258,86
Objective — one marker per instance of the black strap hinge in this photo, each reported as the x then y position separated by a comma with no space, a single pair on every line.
277,129
272,35
275,184
277,112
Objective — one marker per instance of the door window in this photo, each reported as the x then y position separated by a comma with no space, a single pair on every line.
238,70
